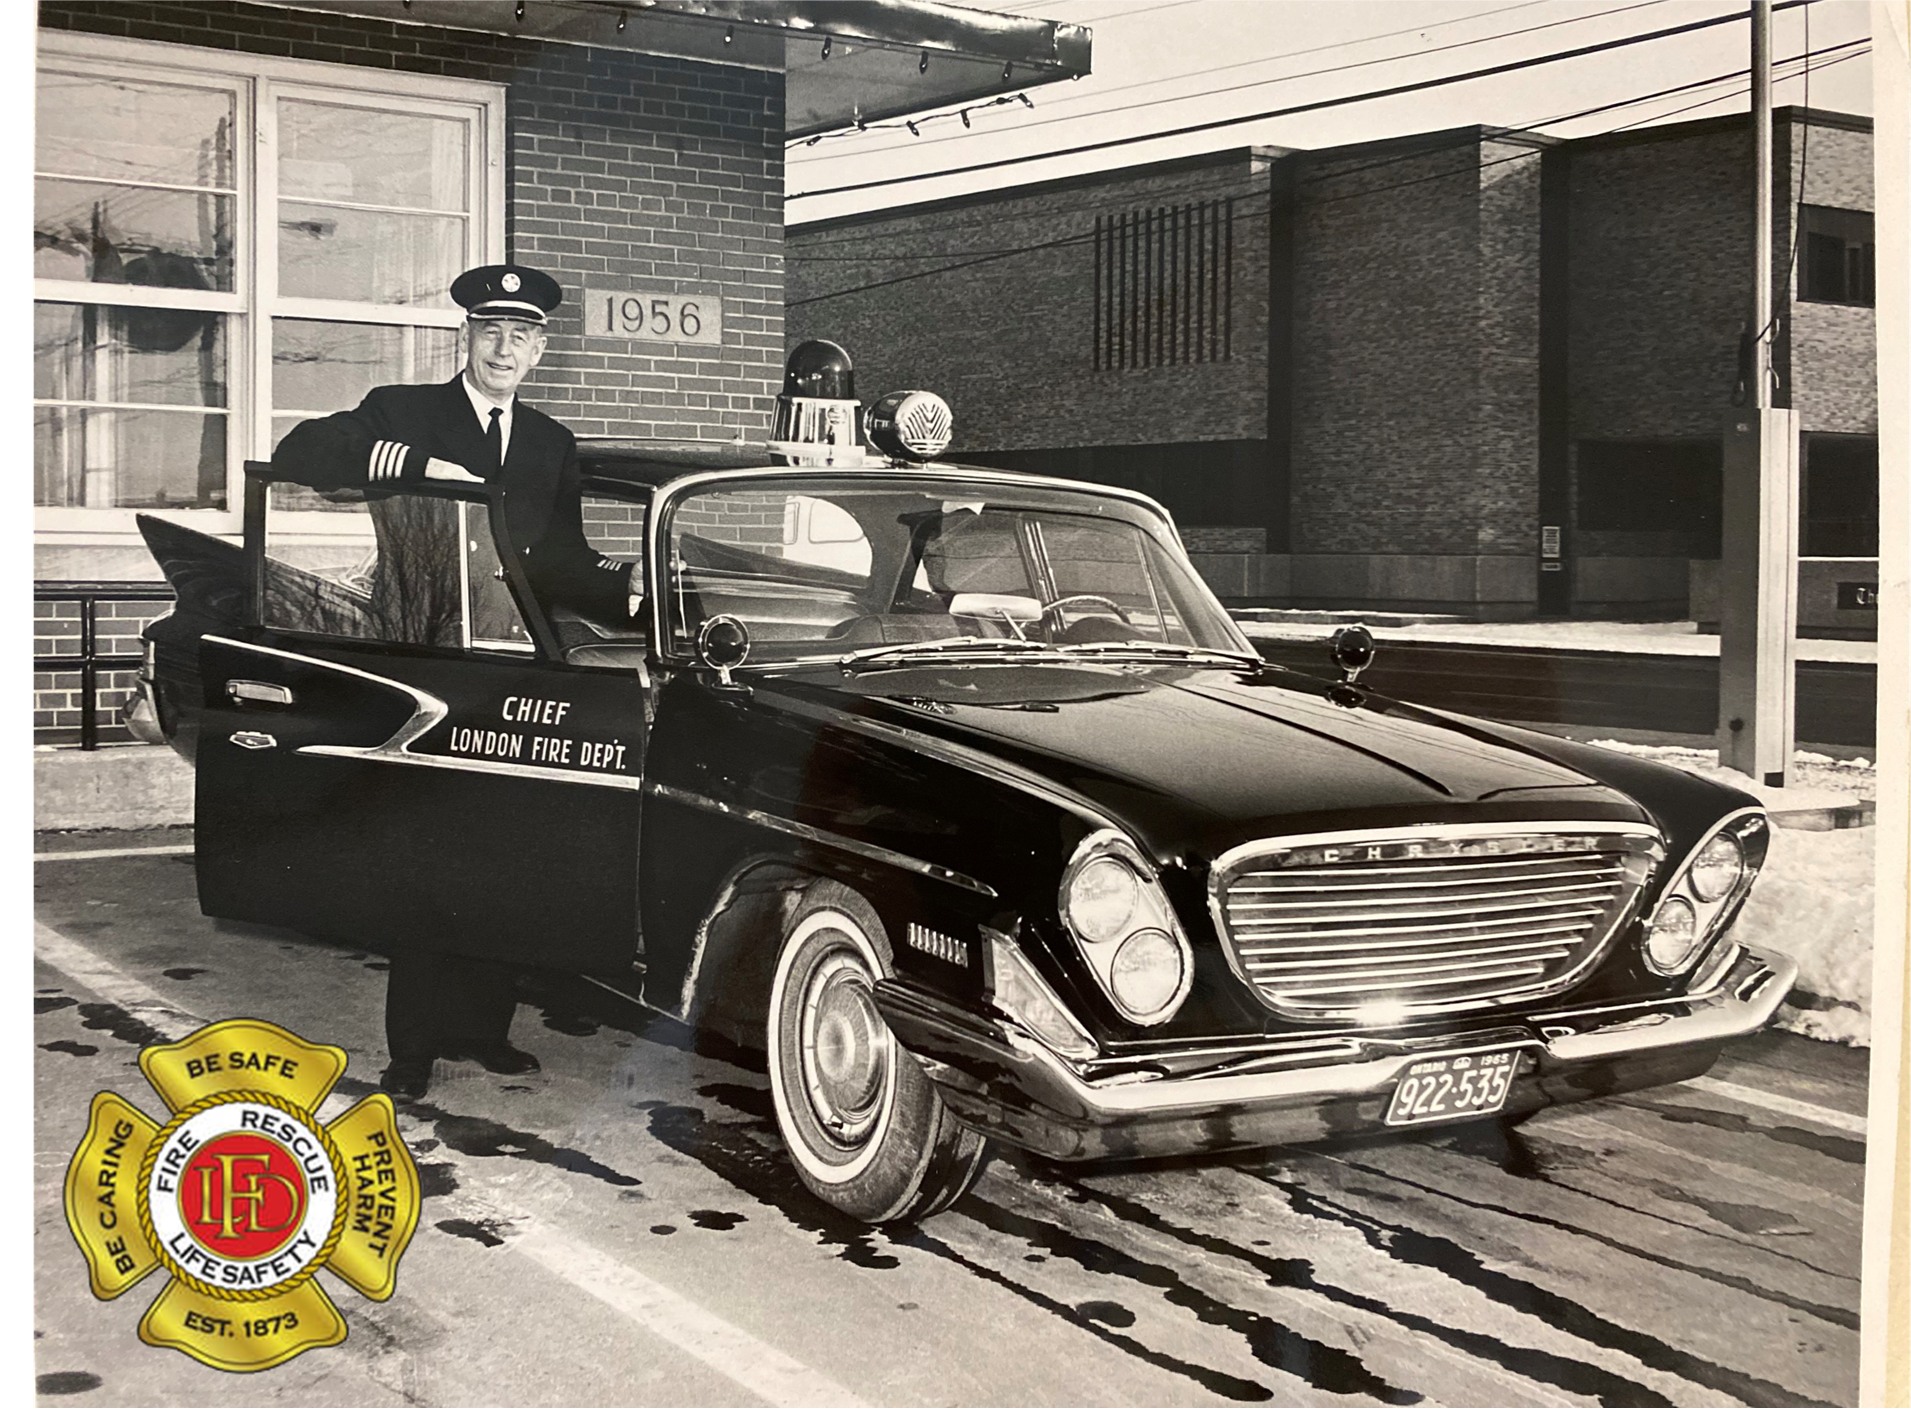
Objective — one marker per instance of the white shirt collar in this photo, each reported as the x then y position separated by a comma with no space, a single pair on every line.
482,406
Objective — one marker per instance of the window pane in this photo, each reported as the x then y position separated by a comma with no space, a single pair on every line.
326,367
128,235
368,256
88,352
127,130
321,367
334,153
106,459
415,570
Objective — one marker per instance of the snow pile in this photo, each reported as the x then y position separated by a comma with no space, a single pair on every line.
1813,900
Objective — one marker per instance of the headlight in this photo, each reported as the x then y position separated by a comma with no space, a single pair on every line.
1101,899
1674,934
1125,928
1147,972
1704,894
1717,867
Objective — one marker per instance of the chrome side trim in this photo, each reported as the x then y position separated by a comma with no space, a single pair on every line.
428,711
384,753
785,825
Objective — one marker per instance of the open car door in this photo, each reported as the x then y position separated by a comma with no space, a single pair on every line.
394,749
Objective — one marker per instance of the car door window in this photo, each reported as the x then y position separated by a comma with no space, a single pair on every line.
408,569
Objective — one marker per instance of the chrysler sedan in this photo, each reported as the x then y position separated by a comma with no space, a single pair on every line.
957,792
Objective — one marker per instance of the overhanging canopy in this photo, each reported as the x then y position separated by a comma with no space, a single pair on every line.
875,66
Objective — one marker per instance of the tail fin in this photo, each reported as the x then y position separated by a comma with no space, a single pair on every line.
207,574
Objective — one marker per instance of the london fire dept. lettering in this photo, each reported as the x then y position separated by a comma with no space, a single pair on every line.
487,743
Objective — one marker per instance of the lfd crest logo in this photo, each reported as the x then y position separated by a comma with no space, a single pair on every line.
242,1197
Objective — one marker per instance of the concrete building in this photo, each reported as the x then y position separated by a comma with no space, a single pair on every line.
249,213
1473,371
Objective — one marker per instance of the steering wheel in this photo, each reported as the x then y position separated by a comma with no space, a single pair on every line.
1115,607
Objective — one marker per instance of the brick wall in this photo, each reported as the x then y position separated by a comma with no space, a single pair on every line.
1834,347
58,690
1009,340
1415,368
1661,249
621,168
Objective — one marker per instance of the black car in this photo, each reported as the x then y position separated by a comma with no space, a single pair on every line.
958,791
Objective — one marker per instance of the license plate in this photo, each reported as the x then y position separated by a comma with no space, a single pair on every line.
1452,1088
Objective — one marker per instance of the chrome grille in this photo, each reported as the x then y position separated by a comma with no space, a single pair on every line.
1380,925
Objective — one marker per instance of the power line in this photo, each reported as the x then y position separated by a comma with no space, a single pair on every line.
1089,236
1220,185
1418,86
1224,183
1258,83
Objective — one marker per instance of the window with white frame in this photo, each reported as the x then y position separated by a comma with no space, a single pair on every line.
224,246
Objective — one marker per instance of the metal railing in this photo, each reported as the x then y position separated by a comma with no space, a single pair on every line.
87,660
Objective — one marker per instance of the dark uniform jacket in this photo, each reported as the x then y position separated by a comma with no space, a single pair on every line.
384,442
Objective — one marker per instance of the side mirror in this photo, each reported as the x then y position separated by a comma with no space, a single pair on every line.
723,643
1353,651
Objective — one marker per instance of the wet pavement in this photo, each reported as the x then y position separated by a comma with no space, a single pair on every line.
622,1227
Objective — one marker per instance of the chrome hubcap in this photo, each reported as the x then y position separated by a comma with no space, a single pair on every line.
845,1049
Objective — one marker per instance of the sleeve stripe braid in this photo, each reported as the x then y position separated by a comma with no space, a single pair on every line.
387,460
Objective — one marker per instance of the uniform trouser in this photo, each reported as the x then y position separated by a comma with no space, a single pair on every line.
435,1000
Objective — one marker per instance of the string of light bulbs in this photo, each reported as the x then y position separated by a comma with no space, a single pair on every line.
914,125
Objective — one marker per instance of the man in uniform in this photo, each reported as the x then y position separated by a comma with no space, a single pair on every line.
470,429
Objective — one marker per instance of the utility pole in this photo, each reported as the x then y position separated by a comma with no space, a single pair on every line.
1758,555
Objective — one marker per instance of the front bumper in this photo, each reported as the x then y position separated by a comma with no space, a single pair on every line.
1278,1090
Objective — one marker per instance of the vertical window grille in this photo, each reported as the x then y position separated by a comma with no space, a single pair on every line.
1164,286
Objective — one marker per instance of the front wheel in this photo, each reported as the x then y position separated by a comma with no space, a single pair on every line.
863,1124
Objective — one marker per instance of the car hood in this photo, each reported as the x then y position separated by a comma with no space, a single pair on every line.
1193,760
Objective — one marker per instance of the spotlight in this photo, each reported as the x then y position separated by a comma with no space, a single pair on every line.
729,34
623,18
826,39
922,64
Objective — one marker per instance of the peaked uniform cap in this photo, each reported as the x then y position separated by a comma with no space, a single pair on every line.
506,291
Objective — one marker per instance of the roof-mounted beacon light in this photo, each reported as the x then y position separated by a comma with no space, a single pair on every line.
816,412
912,426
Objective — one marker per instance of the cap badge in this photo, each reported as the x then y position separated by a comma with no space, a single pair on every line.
510,283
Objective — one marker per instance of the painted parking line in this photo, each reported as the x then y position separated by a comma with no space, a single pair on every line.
1780,1105
113,983
107,853
762,1369
752,1364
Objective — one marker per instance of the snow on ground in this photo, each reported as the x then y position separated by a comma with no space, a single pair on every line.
1813,900
1681,638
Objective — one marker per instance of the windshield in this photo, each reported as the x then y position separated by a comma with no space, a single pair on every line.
826,568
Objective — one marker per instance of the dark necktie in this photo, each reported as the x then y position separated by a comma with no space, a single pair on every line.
494,442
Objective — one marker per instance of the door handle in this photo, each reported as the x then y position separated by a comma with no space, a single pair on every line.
257,692
252,739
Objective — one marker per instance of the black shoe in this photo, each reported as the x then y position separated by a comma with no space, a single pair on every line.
499,1057
407,1077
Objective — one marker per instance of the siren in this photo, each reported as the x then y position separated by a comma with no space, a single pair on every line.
910,425
816,412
